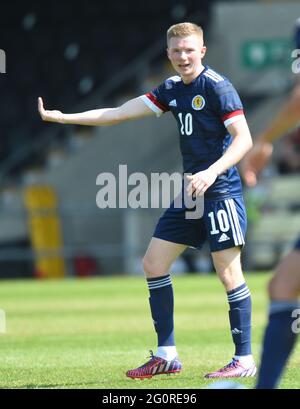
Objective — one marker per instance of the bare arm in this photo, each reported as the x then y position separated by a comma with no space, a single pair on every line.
258,157
286,119
132,109
241,144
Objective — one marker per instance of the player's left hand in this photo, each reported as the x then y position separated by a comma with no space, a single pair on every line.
201,181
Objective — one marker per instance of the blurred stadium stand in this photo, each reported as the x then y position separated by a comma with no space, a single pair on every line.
67,50
277,221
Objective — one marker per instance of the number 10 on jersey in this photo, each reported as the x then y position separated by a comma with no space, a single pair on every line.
186,122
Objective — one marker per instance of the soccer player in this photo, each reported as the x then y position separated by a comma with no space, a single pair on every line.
284,288
214,137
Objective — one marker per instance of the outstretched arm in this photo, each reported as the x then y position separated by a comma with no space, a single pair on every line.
258,157
286,119
132,109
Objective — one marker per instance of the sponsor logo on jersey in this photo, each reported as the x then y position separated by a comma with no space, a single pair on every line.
198,102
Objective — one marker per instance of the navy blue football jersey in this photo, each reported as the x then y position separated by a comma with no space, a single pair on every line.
203,109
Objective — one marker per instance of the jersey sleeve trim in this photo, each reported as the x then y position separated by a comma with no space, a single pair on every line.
233,117
154,104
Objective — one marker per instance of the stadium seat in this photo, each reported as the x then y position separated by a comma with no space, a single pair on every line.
284,191
271,235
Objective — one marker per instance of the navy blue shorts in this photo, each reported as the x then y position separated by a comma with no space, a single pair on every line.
223,224
297,245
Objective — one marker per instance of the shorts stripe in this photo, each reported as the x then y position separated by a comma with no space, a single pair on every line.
231,223
238,233
237,222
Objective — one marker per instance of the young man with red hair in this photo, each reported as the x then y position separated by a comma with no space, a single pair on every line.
214,137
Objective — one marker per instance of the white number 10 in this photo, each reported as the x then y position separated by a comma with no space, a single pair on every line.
222,221
186,124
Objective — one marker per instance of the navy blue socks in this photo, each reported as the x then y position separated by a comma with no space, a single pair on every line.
162,308
279,340
240,319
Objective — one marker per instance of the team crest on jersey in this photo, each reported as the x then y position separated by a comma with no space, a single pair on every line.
198,102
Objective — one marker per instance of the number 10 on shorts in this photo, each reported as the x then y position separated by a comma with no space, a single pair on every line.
222,220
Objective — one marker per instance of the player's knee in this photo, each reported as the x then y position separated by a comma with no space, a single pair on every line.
230,274
152,268
295,99
226,281
280,288
272,288
276,289
229,278
146,265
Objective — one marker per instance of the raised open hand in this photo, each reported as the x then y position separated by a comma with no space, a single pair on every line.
50,116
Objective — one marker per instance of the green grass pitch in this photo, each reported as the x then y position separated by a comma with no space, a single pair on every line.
85,333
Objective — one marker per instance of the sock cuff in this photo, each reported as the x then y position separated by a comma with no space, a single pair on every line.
158,282
276,307
238,293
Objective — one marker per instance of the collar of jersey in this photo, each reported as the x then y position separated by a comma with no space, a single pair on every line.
195,79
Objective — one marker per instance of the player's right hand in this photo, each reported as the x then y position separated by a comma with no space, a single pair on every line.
50,116
255,161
